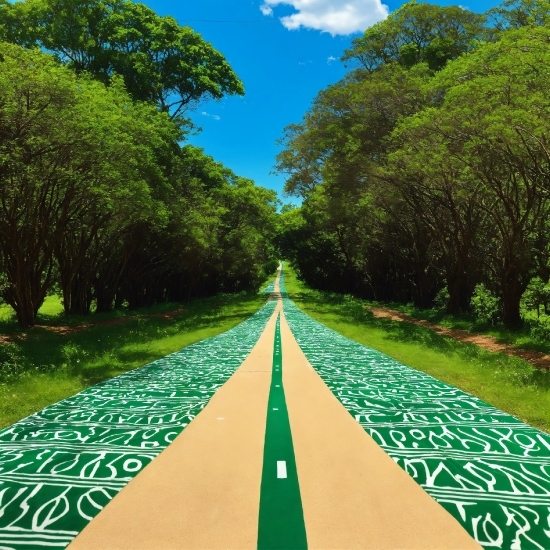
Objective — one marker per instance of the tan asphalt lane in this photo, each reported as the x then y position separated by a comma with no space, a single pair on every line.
354,495
203,491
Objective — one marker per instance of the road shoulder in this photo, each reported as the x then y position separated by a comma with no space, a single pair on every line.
354,495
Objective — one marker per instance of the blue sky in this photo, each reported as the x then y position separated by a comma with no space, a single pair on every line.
282,69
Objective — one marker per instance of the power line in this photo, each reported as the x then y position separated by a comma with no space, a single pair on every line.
227,20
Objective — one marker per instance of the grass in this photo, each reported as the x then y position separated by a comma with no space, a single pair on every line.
51,309
42,367
521,338
508,383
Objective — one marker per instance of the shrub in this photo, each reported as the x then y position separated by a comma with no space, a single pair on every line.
536,294
442,298
485,305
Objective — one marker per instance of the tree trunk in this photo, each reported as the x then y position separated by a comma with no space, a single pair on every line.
460,294
78,296
511,310
105,298
512,291
422,295
26,293
26,312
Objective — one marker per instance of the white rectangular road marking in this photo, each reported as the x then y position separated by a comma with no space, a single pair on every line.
281,469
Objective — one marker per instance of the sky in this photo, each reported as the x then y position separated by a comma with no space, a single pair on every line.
285,53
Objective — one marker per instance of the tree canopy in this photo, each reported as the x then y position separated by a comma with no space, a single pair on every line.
101,199
418,33
159,60
419,176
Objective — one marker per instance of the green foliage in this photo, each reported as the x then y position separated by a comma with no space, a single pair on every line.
98,198
345,132
73,159
513,14
485,305
442,298
536,294
159,60
417,175
10,362
418,33
486,143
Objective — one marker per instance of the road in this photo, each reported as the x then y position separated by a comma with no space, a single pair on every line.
280,434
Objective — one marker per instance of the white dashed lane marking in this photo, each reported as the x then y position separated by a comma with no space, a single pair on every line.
281,469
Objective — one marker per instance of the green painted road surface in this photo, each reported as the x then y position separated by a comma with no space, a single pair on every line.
62,465
281,525
488,469
269,289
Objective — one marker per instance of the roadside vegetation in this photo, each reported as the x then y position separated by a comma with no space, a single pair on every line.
532,335
424,171
102,199
507,383
120,242
42,366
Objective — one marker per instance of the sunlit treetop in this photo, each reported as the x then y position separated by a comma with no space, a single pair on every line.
418,33
159,60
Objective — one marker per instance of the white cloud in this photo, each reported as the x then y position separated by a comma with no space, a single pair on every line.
332,16
330,59
215,117
266,10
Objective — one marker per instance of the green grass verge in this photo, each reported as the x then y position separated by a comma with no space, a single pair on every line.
44,367
508,383
51,308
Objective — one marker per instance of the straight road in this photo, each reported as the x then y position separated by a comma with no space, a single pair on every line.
294,438
242,477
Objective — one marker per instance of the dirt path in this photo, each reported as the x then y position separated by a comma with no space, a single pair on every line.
536,358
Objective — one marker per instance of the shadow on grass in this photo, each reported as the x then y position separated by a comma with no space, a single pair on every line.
102,351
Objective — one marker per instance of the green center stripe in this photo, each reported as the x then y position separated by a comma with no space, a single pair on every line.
281,524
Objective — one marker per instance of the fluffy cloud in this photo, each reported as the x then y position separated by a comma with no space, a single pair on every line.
332,16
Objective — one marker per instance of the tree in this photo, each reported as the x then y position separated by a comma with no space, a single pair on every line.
339,148
514,14
73,155
493,128
159,60
418,33
218,237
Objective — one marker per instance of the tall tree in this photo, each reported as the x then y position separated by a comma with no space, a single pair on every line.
492,130
159,60
72,154
418,32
